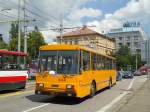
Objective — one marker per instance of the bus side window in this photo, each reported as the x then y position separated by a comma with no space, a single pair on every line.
1,63
94,61
86,60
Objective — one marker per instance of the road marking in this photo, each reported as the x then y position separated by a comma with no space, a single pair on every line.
15,94
35,108
131,84
28,86
105,108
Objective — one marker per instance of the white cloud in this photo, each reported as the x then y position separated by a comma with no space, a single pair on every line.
84,12
50,11
49,35
135,10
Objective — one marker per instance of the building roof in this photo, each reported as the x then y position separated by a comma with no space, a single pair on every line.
82,32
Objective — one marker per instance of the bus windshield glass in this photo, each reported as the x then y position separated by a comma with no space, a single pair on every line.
10,62
62,62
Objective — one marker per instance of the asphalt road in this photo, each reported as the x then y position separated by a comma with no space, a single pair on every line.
105,100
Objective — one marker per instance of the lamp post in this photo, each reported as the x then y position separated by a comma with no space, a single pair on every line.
136,61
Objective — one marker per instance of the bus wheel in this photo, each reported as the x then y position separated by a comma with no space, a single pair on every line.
110,84
92,90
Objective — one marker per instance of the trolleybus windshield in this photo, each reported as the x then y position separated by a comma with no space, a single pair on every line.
10,62
62,62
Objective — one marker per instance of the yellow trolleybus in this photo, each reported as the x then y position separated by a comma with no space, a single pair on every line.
72,70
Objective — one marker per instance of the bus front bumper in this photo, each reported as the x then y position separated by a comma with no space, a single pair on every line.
54,93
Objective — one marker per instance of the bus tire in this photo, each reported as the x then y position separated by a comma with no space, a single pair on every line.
92,89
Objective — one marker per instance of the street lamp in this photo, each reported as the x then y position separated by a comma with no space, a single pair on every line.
136,60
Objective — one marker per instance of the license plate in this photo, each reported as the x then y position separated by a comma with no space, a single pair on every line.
55,86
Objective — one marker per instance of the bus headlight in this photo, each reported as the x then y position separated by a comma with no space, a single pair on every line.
69,86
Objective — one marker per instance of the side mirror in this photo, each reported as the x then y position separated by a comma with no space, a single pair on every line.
80,71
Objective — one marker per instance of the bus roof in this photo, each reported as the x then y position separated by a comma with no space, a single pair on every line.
71,47
12,53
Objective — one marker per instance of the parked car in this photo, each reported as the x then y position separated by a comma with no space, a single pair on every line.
143,69
137,73
119,75
128,74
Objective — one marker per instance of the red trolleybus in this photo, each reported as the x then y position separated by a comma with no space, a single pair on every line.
12,74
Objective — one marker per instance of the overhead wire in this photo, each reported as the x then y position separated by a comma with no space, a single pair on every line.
40,16
35,7
33,13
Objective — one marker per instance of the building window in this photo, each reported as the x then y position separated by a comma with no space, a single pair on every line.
120,44
138,51
128,44
135,38
128,38
65,42
70,42
120,38
76,41
136,44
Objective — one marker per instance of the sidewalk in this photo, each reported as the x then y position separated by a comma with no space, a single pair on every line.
31,82
140,102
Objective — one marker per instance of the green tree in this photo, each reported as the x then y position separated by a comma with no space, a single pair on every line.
35,40
13,44
139,62
3,44
14,30
123,57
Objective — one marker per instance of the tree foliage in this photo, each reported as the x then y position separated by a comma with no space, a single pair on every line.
124,58
13,44
34,41
14,30
3,45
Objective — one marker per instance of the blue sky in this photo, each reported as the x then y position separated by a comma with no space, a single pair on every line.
119,11
107,6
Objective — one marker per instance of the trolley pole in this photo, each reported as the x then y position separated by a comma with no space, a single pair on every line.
19,2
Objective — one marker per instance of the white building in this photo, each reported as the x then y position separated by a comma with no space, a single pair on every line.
145,52
131,36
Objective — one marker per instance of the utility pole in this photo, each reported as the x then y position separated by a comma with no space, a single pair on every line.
61,30
136,60
25,30
19,3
